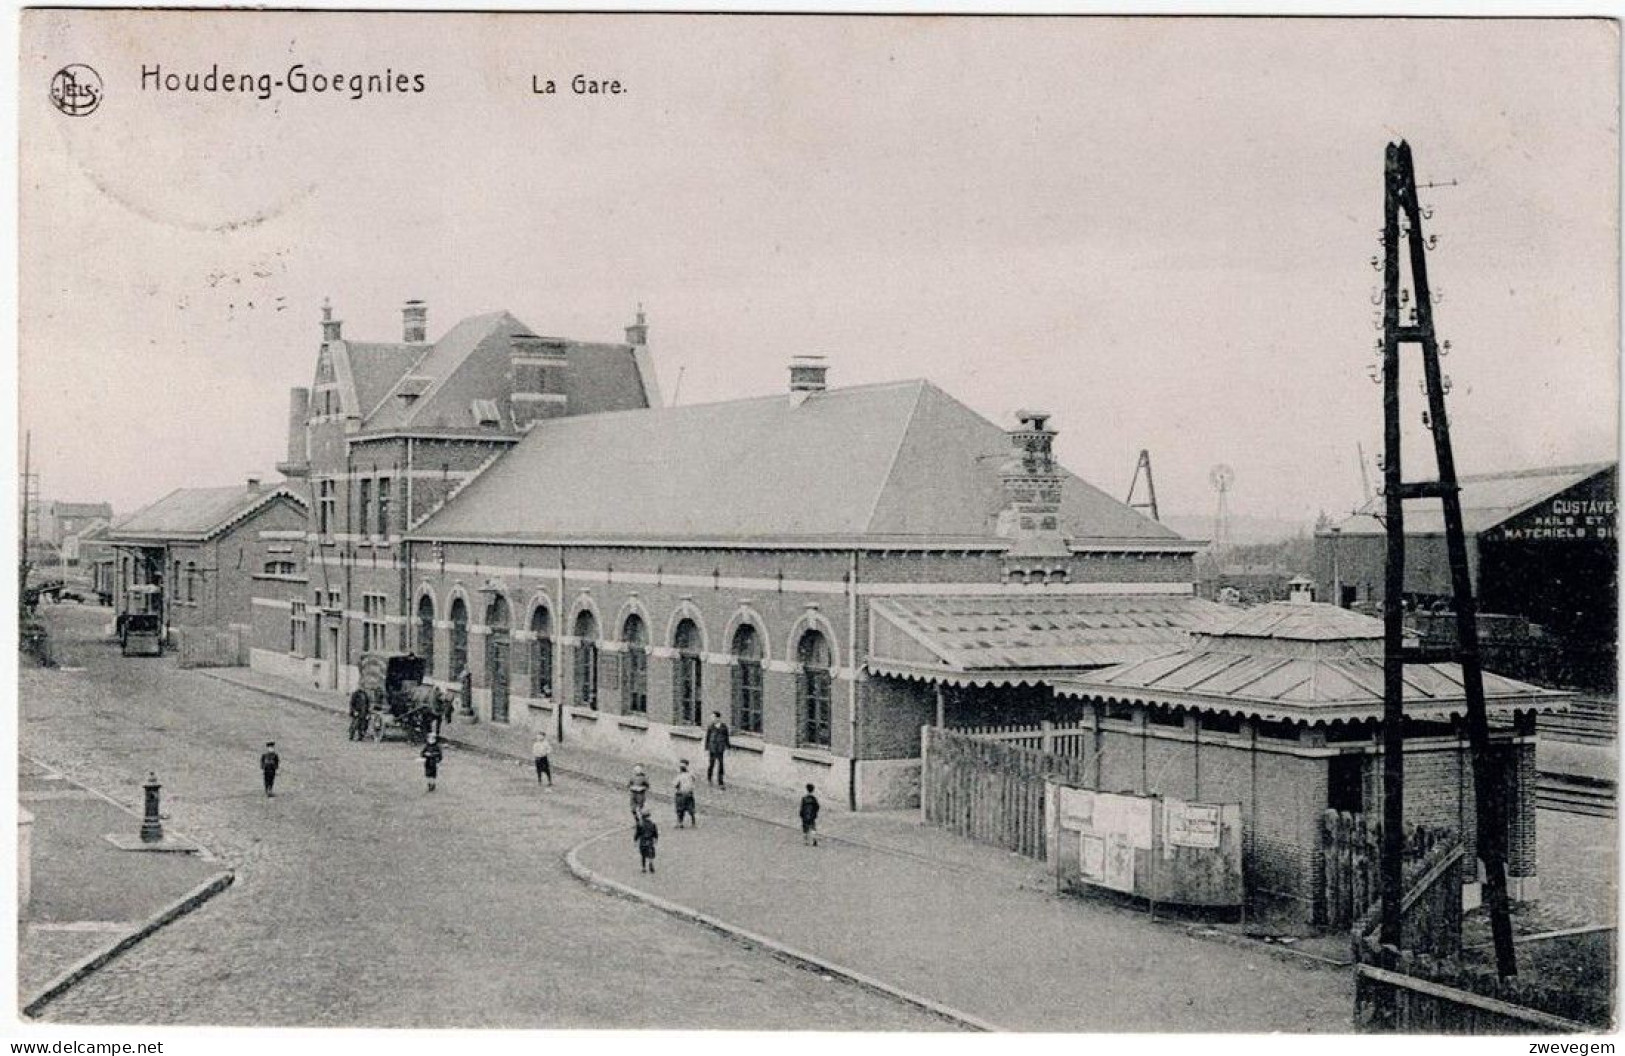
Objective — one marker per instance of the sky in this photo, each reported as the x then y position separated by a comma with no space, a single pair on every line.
1157,230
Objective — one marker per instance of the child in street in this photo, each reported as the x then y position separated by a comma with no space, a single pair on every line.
540,749
809,818
683,795
432,754
638,791
269,761
647,835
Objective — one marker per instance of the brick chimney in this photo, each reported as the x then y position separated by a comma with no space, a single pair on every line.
638,333
1031,518
330,326
415,322
808,374
537,365
298,462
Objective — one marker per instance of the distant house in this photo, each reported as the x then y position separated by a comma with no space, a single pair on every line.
1542,545
194,555
60,525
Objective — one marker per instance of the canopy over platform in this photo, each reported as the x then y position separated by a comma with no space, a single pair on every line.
1298,662
1005,640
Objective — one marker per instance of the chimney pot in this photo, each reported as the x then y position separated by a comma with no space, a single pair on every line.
638,332
331,327
415,322
808,374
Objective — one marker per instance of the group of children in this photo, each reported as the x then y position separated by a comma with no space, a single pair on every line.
645,833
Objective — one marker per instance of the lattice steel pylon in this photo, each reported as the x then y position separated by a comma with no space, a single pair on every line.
1401,206
1143,468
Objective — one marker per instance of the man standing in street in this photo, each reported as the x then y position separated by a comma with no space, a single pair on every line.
716,750
360,711
540,749
269,761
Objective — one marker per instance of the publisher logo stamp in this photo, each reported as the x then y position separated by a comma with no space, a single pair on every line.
76,90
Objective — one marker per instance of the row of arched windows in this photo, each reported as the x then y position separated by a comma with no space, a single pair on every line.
814,666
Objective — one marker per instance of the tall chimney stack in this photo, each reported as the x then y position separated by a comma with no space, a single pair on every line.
415,322
1032,489
298,462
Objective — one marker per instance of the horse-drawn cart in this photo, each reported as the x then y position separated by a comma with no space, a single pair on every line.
400,701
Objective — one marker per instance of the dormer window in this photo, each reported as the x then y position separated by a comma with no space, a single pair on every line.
486,412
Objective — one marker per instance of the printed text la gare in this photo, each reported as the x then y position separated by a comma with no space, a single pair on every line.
580,84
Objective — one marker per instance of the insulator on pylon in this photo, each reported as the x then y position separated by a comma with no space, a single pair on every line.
1427,420
1427,212
1422,387
1444,384
1376,263
1444,349
1404,296
1433,242
1411,315
1373,372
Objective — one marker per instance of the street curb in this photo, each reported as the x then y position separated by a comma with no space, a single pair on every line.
594,879
85,968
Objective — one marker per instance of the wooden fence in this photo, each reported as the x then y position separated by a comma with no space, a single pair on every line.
1352,846
1396,991
207,647
992,790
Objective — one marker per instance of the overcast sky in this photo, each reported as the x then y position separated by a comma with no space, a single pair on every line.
1158,230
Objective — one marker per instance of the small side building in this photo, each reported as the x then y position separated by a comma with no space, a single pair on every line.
1280,710
194,555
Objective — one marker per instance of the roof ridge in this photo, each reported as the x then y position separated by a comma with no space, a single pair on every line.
896,454
489,322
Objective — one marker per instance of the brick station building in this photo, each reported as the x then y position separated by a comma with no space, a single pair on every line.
199,556
816,565
1279,708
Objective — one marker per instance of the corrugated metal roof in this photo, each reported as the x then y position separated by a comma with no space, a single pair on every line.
1487,499
898,460
195,512
1277,664
1017,634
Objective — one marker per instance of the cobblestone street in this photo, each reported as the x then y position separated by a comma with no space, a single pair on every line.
362,900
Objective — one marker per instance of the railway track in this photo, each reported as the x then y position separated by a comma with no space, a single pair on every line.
1588,721
1576,795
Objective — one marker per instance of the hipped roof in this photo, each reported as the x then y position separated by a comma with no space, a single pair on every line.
898,461
1298,662
190,514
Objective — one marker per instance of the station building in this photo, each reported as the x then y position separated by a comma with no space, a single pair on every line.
830,569
1542,545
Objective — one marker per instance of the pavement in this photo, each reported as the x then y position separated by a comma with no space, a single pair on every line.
89,900
1599,762
952,926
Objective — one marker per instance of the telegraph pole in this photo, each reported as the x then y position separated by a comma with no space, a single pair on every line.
1419,330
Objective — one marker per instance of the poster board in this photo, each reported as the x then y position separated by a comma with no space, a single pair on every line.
1153,847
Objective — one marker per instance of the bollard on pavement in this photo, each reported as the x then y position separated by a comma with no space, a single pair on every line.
152,829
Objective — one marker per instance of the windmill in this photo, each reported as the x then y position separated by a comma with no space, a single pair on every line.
1223,478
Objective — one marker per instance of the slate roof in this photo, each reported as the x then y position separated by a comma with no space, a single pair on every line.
195,513
1487,499
82,509
470,362
896,461
1006,639
1297,661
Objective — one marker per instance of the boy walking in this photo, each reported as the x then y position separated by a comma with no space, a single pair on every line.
269,761
540,748
432,755
648,833
682,794
809,818
716,751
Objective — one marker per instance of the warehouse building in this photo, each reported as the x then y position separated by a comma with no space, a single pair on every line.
1542,547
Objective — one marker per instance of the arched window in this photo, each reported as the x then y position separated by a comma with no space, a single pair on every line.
747,680
425,636
635,669
686,675
459,638
813,657
541,653
586,666
497,646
